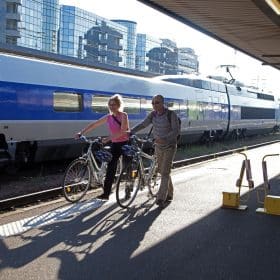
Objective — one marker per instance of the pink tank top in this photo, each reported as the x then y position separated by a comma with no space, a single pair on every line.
114,128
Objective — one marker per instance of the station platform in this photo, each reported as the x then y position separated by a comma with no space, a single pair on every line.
194,237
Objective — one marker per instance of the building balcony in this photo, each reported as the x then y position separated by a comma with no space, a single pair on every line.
103,41
103,52
116,47
119,59
13,16
12,33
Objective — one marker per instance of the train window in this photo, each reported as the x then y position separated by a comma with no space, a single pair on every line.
215,99
232,90
222,88
131,105
200,115
197,83
208,110
214,86
206,85
193,110
146,105
185,82
183,110
224,108
174,106
183,107
99,104
235,112
257,113
265,96
217,113
67,102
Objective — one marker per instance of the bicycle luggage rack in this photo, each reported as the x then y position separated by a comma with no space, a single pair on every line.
232,199
271,202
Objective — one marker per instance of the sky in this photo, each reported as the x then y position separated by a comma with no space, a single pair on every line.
211,53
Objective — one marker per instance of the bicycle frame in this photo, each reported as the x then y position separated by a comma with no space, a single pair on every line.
146,177
136,174
96,171
86,170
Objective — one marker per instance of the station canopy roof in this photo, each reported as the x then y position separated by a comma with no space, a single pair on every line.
250,26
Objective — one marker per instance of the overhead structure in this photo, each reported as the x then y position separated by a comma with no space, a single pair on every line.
250,26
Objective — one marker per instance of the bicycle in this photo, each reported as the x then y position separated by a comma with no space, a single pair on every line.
88,169
140,170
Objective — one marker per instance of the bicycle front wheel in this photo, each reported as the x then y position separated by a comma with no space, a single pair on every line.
76,180
128,184
154,182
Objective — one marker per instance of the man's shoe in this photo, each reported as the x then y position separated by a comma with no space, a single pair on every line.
103,197
169,198
161,203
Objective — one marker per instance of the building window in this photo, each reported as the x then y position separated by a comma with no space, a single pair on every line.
11,40
11,24
67,102
11,8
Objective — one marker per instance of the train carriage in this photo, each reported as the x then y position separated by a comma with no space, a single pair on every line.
43,104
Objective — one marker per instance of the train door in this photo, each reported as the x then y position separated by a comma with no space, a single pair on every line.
193,110
277,115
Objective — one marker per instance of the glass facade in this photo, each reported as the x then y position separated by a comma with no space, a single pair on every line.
144,44
31,25
129,51
39,24
187,61
9,18
2,22
46,26
50,25
167,43
76,25
103,45
163,61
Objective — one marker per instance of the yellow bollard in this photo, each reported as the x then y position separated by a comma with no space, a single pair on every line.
232,199
271,202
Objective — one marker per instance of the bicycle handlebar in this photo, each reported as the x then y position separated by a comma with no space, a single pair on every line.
96,140
141,140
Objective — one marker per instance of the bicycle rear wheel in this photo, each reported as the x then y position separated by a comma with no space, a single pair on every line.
128,185
76,180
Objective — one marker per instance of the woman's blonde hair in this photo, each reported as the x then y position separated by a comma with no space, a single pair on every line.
118,100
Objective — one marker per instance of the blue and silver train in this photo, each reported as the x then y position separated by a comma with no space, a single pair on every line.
43,104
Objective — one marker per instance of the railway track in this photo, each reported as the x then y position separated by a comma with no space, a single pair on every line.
45,195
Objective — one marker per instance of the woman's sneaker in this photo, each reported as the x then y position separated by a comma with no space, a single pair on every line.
103,197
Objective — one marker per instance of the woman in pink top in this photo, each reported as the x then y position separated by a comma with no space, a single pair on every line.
117,122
